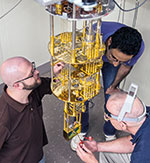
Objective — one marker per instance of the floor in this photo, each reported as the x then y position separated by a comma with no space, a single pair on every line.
58,150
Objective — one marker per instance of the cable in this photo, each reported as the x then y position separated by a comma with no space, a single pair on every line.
11,9
131,8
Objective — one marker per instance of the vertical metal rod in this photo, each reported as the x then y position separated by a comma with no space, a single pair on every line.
73,28
51,34
120,11
90,27
99,26
73,47
100,32
84,23
51,25
123,12
135,14
84,28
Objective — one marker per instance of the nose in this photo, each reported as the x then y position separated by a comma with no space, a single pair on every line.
115,64
36,72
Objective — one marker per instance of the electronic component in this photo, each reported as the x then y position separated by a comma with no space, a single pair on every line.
80,47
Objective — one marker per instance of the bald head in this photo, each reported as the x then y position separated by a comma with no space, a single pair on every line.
116,101
14,69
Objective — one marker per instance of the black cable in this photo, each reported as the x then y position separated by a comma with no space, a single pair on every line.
131,8
11,9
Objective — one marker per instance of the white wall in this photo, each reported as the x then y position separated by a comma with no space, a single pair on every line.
25,31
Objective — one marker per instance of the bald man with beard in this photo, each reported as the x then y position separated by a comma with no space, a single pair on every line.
22,131
129,149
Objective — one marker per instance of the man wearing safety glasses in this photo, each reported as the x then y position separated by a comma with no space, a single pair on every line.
125,115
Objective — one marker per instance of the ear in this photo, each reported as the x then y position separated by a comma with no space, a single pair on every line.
123,125
109,41
18,85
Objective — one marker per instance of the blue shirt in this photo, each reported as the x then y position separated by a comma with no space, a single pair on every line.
108,29
141,152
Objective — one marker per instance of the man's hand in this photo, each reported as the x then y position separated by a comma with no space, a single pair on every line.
85,154
112,90
91,145
58,67
123,71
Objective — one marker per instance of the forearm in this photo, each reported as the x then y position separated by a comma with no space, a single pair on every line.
121,145
123,71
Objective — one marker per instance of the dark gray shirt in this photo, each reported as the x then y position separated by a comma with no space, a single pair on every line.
22,132
141,152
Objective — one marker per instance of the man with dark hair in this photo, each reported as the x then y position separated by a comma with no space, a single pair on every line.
133,148
124,46
22,131
127,40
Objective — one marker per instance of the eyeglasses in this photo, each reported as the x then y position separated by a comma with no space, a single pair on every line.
33,70
114,59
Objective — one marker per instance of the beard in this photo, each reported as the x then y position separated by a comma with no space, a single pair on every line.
32,86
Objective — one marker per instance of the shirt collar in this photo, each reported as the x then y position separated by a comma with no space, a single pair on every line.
13,103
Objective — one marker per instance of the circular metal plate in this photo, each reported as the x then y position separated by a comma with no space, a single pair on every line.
67,11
